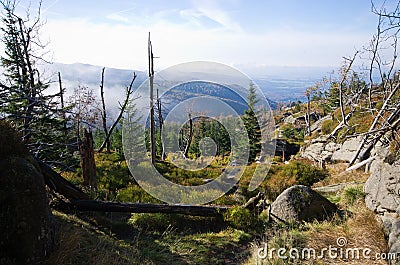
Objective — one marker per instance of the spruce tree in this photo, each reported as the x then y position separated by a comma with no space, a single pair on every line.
24,100
252,126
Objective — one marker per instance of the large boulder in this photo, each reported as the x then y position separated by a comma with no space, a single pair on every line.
301,203
26,223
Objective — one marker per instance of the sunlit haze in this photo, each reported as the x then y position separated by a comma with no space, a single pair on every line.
245,34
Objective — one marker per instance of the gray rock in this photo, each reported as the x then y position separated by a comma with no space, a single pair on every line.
332,147
290,119
321,139
313,151
380,150
317,125
347,150
387,220
301,203
394,237
326,155
319,150
383,197
383,187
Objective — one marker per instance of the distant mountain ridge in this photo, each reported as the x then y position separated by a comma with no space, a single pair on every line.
280,84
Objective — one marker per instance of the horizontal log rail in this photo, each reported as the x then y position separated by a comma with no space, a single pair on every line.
107,206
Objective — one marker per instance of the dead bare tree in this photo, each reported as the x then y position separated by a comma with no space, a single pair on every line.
62,90
104,112
386,121
349,62
160,124
85,111
151,84
25,99
386,124
189,138
128,93
309,93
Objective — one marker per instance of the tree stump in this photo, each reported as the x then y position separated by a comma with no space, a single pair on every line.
88,165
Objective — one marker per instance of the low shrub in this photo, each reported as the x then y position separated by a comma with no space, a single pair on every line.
351,194
240,218
328,126
304,173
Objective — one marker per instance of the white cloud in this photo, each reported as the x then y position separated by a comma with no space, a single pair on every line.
125,46
117,17
221,17
199,17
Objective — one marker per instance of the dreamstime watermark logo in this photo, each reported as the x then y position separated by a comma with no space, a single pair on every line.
342,250
183,94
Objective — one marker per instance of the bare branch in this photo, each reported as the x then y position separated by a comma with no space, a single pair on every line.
129,91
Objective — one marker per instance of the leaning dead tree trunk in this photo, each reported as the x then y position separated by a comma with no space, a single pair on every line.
59,184
129,91
87,160
104,113
373,126
307,118
78,200
340,125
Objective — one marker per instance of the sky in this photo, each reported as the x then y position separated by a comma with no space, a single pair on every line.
247,34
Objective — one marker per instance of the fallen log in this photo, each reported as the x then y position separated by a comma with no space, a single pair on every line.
362,163
59,184
78,200
106,206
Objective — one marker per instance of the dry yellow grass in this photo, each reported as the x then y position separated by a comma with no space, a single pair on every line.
361,230
338,174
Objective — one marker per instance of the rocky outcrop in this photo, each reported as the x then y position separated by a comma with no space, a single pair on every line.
382,191
26,223
301,203
347,150
320,150
383,187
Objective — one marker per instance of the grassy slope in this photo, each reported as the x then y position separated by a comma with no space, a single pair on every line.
175,239
147,239
161,239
